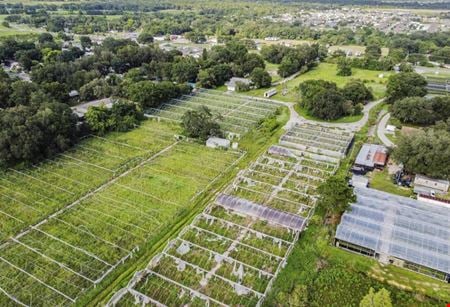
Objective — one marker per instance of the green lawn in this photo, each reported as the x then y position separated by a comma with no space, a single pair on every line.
327,71
382,181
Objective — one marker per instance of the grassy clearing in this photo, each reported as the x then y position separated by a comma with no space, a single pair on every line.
381,180
15,29
327,71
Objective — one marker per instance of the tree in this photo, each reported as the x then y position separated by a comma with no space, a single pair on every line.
357,92
85,42
425,152
95,89
405,84
260,78
328,104
98,119
29,134
150,94
335,195
145,38
200,124
381,298
185,70
344,67
373,51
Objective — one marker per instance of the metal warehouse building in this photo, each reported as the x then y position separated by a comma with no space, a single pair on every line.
398,230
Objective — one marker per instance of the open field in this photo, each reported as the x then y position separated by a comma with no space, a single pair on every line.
88,211
327,71
231,253
236,114
15,29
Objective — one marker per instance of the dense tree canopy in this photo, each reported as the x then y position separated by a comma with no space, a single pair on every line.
422,111
405,84
425,152
260,78
122,116
30,133
335,195
325,100
200,124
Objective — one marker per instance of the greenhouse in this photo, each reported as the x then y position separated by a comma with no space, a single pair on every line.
398,230
249,208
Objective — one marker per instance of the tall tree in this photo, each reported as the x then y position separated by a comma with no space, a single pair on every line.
335,195
200,124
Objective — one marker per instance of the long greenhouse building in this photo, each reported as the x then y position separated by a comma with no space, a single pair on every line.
398,230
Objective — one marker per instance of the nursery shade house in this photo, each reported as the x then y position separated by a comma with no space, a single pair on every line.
231,253
398,230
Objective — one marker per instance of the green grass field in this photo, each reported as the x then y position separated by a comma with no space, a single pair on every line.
15,29
327,71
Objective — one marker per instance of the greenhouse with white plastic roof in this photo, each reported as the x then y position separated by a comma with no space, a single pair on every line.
398,230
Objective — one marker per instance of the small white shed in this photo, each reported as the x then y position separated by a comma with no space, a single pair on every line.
215,142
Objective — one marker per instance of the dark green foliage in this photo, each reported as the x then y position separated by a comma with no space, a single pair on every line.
335,195
145,38
151,94
122,116
421,111
96,89
325,100
29,133
260,78
200,124
357,92
215,76
373,51
344,67
425,152
405,84
85,42
327,104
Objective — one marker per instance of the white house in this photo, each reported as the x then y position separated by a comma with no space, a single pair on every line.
232,84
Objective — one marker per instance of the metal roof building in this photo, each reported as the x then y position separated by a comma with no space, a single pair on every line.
371,156
398,230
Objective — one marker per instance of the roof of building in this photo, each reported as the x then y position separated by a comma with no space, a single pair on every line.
218,141
235,80
401,227
81,109
371,155
360,181
253,209
431,183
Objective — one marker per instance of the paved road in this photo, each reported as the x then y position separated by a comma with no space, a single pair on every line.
381,130
296,118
